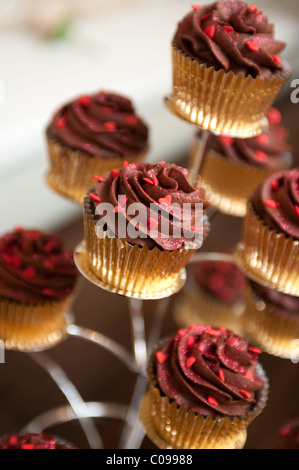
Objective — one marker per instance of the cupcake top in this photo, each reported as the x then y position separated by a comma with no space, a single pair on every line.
162,198
276,201
208,370
101,125
31,441
277,302
34,267
222,280
288,437
269,150
232,36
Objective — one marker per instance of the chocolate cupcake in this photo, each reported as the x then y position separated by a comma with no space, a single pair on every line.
89,136
227,68
143,257
32,441
288,436
214,295
233,168
271,320
204,388
270,253
37,284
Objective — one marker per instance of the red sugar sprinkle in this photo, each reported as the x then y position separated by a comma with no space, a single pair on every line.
29,273
274,116
285,431
47,291
193,228
152,223
226,140
223,330
166,200
118,209
115,173
205,17
271,203
122,200
262,139
27,446
260,155
162,163
275,185
228,29
277,59
212,401
110,126
249,375
161,357
94,197
296,209
99,178
49,246
255,350
190,361
19,228
61,122
131,120
213,332
125,163
181,333
245,394
252,7
155,180
210,31
221,375
84,100
252,45
11,260
231,341
190,341
196,7
148,180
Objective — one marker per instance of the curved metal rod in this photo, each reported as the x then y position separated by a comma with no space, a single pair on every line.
138,333
210,256
65,414
72,395
106,343
197,162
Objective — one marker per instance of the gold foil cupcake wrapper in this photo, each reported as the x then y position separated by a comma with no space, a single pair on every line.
33,327
71,172
129,269
172,427
269,257
197,307
228,185
222,102
275,332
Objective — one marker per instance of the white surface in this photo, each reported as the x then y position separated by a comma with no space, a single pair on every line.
125,50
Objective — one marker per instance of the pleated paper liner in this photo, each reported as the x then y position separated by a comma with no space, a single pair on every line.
222,102
196,307
172,427
228,185
267,256
33,327
275,332
71,172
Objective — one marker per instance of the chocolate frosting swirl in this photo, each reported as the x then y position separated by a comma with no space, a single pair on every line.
276,201
277,302
102,125
209,370
268,150
34,268
231,36
156,187
222,280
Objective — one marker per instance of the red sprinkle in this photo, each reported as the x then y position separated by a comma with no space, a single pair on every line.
231,341
274,116
296,209
275,185
212,401
110,126
205,17
190,341
115,173
161,357
125,163
181,333
226,140
245,394
262,139
277,59
47,291
213,332
223,330
166,200
285,431
252,45
196,7
271,203
260,156
99,178
118,209
155,180
162,163
210,31
252,7
221,375
29,273
131,120
148,180
152,223
228,29
122,200
84,100
49,247
11,260
190,361
61,122
94,197
249,375
255,350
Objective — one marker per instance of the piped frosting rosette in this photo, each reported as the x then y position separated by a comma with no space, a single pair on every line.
205,387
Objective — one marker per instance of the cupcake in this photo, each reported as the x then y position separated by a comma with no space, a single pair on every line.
204,388
288,436
233,168
227,68
270,252
37,282
32,441
215,296
272,320
142,224
90,136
